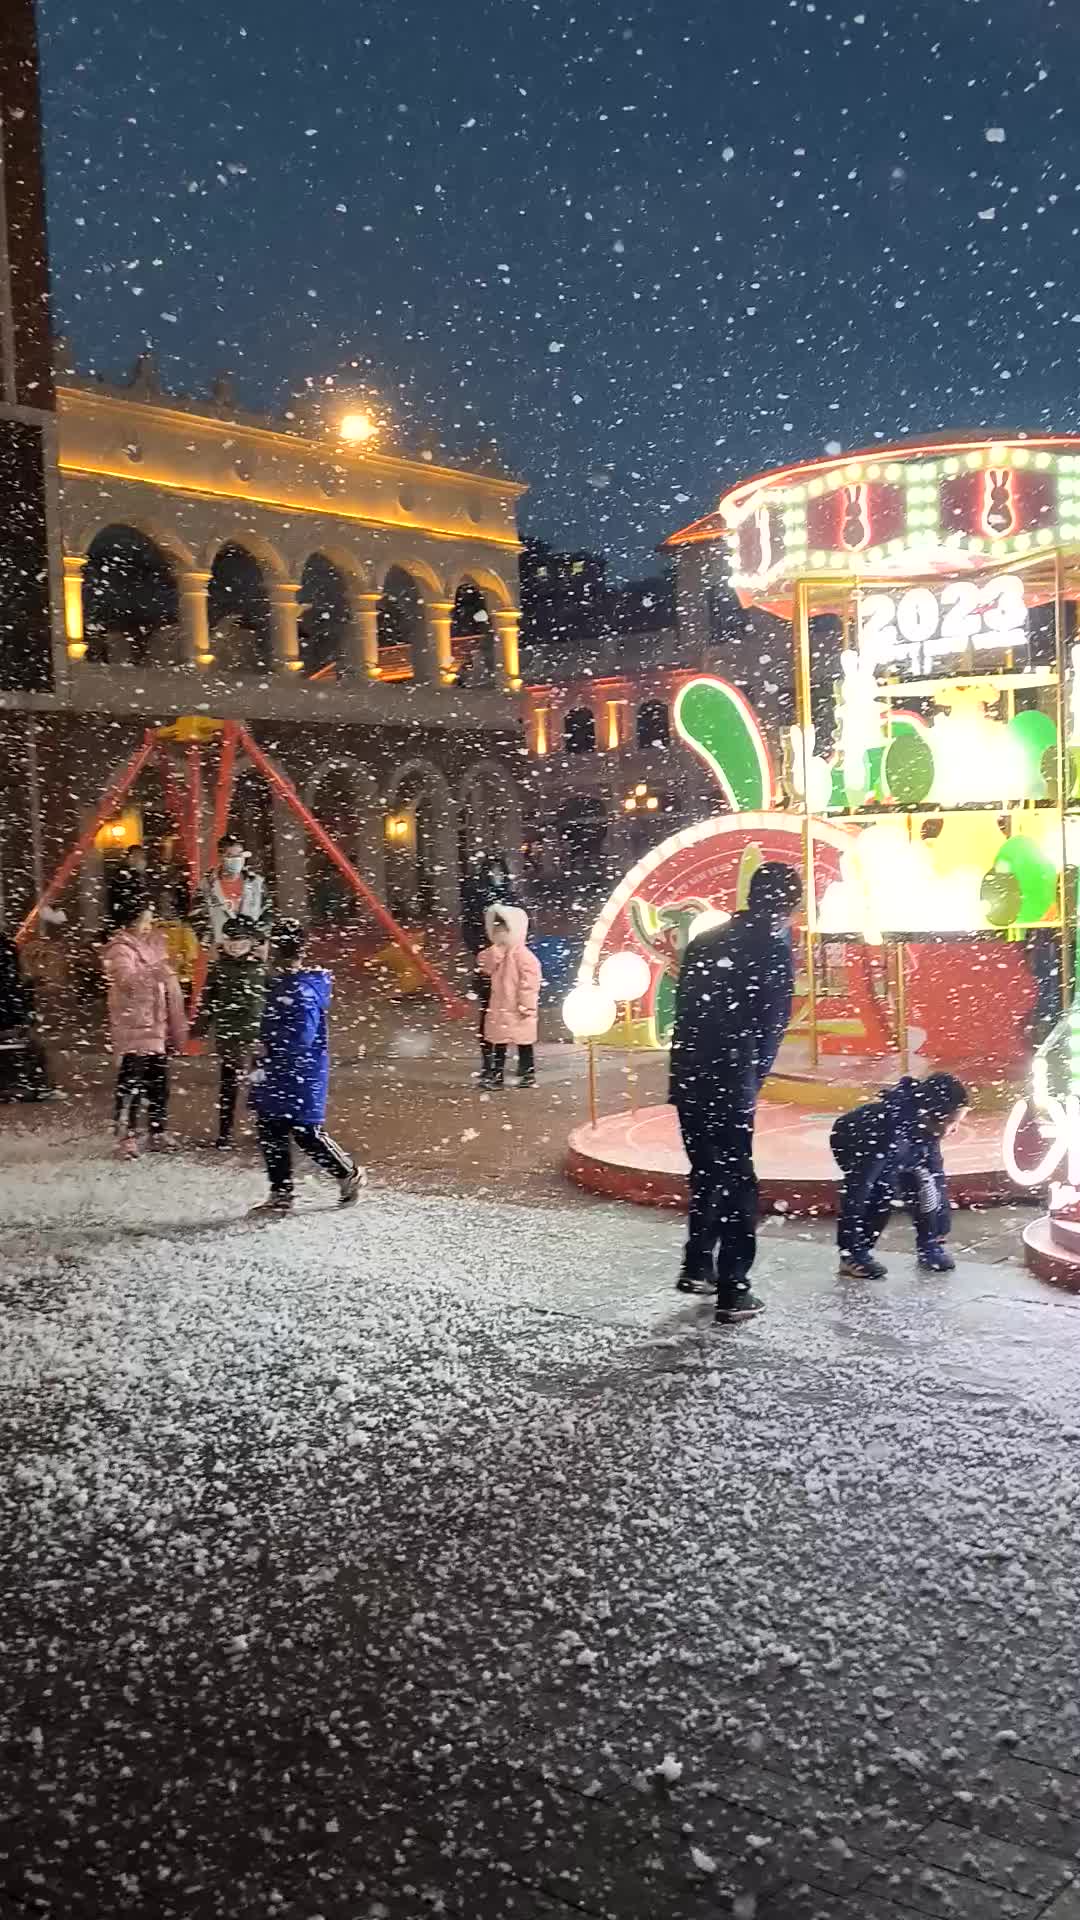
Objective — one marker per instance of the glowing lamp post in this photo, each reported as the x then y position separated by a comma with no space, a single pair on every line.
588,1012
626,976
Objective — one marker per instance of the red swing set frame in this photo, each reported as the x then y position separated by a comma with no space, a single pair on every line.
183,785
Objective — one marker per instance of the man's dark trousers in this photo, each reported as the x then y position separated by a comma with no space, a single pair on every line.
718,1134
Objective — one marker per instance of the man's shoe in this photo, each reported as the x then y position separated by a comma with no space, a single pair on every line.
127,1147
275,1203
525,1080
744,1307
934,1258
869,1269
351,1185
490,1083
695,1282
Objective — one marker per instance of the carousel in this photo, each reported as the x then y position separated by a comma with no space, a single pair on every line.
927,791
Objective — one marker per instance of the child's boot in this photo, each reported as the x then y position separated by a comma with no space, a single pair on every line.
934,1257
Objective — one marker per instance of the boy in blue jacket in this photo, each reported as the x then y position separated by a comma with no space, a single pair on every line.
891,1149
291,1081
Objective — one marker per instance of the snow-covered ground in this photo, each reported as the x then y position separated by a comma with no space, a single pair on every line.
435,1556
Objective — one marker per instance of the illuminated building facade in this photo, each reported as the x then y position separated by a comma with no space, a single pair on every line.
356,607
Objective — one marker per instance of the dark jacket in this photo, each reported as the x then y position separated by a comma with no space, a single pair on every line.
484,886
233,1003
16,994
295,1048
887,1134
731,1011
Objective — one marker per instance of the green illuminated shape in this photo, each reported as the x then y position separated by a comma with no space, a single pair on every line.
717,724
1035,876
909,769
1036,736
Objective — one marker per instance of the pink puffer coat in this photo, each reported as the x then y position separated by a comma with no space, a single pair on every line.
515,978
146,1006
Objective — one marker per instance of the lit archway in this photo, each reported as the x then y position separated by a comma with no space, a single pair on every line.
131,605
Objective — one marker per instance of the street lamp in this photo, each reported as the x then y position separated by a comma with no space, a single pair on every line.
588,1012
357,428
626,976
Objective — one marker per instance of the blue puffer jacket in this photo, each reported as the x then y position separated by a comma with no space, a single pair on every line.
295,1049
887,1133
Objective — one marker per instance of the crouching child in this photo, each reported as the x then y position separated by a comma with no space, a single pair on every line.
890,1150
290,1084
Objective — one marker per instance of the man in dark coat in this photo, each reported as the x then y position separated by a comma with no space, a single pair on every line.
732,1010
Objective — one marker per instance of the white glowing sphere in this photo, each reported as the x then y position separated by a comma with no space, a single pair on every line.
708,922
625,976
588,1011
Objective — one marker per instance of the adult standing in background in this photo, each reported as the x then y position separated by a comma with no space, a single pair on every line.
231,889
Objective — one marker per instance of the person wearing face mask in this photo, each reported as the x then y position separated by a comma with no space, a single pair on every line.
232,888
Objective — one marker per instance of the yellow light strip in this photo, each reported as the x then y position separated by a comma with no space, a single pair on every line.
327,512
296,443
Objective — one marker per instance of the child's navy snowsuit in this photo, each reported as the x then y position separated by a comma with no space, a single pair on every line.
884,1154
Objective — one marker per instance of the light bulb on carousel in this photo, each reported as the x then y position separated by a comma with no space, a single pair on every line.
588,1012
626,976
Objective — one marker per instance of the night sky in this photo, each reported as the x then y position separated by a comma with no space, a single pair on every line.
646,249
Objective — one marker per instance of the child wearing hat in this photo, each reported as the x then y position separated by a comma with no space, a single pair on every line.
232,1008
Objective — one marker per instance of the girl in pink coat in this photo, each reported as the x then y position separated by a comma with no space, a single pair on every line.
515,978
146,1019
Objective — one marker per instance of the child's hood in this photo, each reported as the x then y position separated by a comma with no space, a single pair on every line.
516,919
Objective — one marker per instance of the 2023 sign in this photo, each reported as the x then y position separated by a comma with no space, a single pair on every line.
922,625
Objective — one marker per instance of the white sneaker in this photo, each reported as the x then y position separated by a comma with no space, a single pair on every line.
350,1186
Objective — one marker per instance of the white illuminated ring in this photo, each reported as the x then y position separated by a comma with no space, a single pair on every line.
1059,1145
838,838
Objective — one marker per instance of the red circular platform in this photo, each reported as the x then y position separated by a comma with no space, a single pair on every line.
1052,1252
639,1156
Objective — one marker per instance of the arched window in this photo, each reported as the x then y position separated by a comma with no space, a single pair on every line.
331,900
653,725
324,623
401,626
239,611
129,598
473,637
579,731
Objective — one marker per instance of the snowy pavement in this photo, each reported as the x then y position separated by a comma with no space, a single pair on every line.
435,1557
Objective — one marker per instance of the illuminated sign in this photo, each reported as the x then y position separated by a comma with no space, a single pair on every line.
920,626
